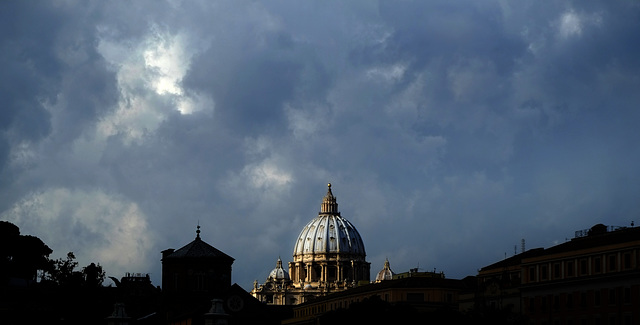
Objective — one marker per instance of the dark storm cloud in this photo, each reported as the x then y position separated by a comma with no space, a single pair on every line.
49,59
27,71
253,79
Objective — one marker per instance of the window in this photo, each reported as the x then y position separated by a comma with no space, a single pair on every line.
612,263
532,305
199,282
449,297
612,296
570,301
569,268
543,272
532,274
556,271
627,319
627,295
597,265
596,298
583,267
627,261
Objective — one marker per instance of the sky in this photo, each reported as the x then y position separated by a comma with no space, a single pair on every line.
449,130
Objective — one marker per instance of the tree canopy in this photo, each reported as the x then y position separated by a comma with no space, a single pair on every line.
22,256
63,273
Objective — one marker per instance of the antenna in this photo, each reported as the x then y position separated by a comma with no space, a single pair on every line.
522,250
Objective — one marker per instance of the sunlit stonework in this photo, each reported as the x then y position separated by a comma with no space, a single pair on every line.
386,273
328,256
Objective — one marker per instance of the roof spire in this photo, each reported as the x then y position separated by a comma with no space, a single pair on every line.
329,204
198,231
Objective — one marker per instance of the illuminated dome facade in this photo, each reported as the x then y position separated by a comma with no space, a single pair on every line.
329,233
279,274
385,273
328,256
329,250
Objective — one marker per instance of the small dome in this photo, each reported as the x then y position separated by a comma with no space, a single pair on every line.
385,273
329,233
279,273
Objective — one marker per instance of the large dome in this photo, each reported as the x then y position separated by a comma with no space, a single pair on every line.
329,233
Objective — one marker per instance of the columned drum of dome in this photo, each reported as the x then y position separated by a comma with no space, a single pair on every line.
329,250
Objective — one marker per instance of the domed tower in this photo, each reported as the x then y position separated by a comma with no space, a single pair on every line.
329,253
385,273
279,274
275,290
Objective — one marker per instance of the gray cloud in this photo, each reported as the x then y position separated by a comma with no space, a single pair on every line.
450,131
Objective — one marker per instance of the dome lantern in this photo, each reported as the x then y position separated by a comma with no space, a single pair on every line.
329,204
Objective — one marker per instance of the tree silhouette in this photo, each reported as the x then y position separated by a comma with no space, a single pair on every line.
93,274
21,256
63,273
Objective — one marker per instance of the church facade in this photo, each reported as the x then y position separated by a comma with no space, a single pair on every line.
328,256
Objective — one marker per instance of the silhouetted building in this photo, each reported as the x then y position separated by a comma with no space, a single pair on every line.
136,297
592,279
416,273
401,298
191,277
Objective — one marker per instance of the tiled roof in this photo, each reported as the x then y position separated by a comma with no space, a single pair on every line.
198,248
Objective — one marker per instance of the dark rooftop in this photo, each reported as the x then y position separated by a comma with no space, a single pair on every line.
198,248
598,235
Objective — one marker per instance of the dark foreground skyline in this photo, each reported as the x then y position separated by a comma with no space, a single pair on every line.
589,279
